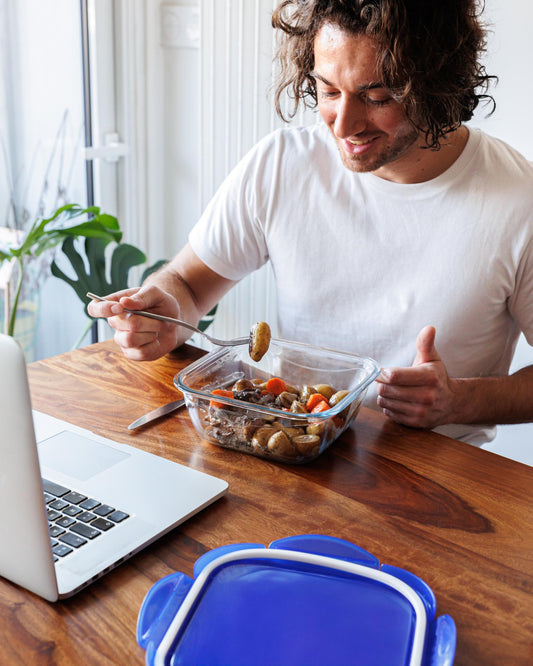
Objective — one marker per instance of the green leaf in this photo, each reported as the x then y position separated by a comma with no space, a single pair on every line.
76,260
124,258
121,261
58,273
98,229
95,251
78,265
92,271
40,238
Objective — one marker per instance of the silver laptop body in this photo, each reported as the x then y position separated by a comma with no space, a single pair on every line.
154,494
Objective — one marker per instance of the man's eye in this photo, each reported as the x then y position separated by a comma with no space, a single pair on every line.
326,92
378,101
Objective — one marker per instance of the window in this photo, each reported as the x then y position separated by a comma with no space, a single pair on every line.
57,73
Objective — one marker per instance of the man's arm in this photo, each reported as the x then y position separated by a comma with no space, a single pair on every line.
184,288
424,396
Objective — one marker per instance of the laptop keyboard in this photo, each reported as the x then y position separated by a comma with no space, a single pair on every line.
75,519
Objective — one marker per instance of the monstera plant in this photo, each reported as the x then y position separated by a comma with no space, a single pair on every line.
102,271
46,233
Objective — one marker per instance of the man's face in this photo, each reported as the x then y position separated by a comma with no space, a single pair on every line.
370,128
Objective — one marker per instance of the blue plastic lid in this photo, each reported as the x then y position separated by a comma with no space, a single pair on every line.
307,600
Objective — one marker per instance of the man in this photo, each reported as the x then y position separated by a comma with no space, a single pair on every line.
388,222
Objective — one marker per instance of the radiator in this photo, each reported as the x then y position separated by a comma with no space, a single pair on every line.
236,110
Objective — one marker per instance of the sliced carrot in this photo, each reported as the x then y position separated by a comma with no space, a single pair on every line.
320,406
224,392
313,400
276,385
221,392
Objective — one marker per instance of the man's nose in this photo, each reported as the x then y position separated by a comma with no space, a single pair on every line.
351,117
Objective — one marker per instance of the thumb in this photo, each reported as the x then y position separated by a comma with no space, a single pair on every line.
425,346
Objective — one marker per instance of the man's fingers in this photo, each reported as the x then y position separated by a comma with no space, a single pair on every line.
128,321
426,351
146,296
417,414
423,394
414,376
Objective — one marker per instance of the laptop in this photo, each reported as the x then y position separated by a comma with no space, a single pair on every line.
74,505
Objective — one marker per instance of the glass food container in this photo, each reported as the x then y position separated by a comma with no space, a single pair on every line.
231,403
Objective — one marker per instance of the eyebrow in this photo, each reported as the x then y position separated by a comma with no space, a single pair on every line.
368,86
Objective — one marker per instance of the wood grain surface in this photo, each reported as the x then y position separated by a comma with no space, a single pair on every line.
459,517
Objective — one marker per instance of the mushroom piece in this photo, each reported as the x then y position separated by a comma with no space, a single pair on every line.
324,389
307,444
280,444
262,435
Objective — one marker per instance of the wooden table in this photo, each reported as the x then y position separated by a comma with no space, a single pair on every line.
459,517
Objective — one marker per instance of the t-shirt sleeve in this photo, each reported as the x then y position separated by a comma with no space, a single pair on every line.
229,237
521,302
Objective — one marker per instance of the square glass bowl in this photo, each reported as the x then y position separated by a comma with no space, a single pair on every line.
271,428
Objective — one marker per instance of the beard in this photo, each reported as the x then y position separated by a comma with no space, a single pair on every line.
402,143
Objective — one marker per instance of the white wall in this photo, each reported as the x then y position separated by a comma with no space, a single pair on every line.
507,57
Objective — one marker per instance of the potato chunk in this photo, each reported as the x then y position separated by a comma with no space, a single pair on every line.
259,340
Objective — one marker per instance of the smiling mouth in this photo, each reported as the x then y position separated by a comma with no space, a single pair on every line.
355,142
358,147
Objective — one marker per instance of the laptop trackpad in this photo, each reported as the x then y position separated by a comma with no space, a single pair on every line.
78,456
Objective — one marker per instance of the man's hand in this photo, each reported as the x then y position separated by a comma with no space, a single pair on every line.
423,395
185,288
140,339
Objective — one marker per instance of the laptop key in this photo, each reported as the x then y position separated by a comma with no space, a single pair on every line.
48,498
65,521
74,497
72,510
52,514
102,524
118,516
85,517
85,530
61,550
89,504
72,540
54,488
103,510
55,531
58,504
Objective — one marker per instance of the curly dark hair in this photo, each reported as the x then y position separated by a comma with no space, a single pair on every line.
428,55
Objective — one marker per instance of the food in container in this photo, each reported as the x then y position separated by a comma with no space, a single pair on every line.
290,406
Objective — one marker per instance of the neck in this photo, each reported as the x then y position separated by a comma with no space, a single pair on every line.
422,163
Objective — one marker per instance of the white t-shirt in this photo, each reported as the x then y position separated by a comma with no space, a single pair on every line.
363,264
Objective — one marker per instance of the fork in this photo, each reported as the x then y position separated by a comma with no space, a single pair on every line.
152,315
